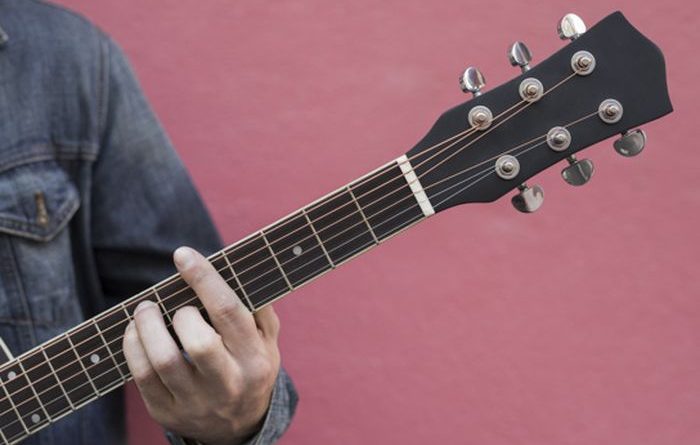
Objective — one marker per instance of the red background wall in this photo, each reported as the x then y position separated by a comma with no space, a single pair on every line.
576,325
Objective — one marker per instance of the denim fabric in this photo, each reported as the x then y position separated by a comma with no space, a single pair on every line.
93,199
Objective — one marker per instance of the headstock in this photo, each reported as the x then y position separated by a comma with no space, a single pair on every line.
607,81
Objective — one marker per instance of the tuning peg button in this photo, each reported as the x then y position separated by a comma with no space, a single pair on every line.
519,55
528,199
472,81
631,143
570,27
578,172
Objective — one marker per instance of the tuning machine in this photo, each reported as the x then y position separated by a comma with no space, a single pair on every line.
519,55
570,27
528,199
631,143
578,172
472,81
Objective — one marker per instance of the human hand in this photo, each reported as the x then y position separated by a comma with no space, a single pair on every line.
221,395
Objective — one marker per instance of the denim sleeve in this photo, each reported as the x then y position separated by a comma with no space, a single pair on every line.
145,205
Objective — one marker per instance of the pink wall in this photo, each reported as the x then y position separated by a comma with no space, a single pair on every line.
577,325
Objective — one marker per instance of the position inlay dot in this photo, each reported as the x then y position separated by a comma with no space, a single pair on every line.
297,250
36,418
94,358
11,375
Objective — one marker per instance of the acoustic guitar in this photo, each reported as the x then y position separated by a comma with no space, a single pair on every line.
605,82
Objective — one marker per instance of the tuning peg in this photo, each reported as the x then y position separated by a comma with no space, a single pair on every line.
570,27
631,143
519,55
472,81
578,172
528,199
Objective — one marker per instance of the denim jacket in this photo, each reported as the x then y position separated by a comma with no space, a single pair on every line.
93,199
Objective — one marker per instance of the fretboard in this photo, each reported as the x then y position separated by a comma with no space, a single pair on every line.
67,372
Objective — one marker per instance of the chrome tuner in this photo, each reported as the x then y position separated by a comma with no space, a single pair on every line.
631,143
571,27
528,199
519,55
472,81
578,172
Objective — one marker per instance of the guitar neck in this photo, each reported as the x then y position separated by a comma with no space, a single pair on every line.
67,372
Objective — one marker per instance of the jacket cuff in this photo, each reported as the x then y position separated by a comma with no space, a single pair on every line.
279,415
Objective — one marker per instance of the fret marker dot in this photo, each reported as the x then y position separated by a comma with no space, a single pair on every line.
36,418
297,250
11,375
95,359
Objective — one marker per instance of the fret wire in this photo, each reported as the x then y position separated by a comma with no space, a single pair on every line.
274,257
109,351
4,439
240,285
67,337
31,387
53,371
14,407
364,217
160,303
318,238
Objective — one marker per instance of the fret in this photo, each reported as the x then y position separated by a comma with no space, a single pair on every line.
107,350
36,417
177,294
94,357
298,251
53,377
258,272
5,440
11,419
166,314
47,387
388,201
274,257
112,326
23,397
340,226
237,286
70,372
364,217
320,243
82,365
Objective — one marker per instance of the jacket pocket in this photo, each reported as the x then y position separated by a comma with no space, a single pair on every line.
37,201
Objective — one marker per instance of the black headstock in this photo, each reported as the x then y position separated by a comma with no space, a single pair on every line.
456,161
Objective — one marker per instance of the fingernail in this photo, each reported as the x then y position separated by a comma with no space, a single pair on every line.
143,305
183,257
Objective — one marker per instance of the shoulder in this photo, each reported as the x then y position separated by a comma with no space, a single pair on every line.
53,30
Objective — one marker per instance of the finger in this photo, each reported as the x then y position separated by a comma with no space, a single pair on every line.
268,322
150,386
202,343
161,349
227,313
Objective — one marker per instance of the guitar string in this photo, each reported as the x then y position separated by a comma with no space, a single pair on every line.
484,173
402,187
271,270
